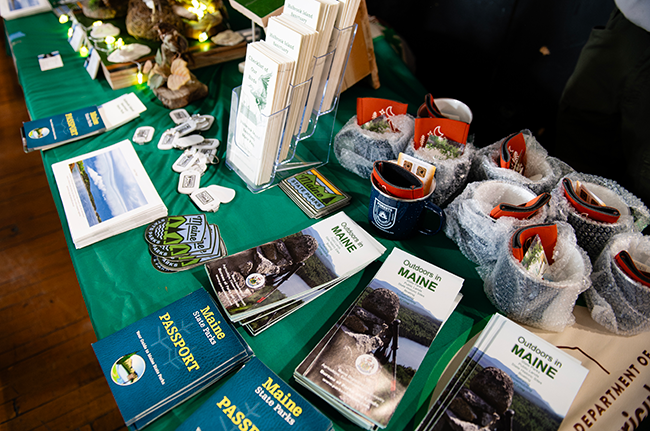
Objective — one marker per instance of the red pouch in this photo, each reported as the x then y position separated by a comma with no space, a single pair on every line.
512,154
369,108
595,212
397,181
520,240
627,265
522,211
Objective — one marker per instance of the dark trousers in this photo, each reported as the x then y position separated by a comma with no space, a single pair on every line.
604,113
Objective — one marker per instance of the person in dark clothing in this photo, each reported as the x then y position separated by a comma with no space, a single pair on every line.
604,112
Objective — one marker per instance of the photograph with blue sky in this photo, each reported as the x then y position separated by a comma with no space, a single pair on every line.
106,186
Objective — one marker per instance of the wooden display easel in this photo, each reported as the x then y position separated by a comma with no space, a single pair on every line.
362,62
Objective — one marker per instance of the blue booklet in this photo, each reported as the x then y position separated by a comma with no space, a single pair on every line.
50,132
163,359
255,398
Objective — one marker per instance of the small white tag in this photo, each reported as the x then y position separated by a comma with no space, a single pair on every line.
204,200
208,144
188,141
184,162
189,181
185,128
143,134
203,122
179,116
210,155
200,163
223,194
166,141
50,61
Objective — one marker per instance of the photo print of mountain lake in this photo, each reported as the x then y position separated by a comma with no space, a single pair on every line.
106,186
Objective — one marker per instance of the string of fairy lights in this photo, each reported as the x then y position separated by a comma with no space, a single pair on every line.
198,8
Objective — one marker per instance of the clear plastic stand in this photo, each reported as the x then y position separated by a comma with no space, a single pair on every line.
303,145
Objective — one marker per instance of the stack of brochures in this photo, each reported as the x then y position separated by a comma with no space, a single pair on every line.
50,132
260,124
259,286
511,379
255,398
163,359
365,363
105,193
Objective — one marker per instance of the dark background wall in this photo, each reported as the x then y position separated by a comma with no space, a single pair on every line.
487,54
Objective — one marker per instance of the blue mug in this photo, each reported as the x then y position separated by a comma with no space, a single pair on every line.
399,218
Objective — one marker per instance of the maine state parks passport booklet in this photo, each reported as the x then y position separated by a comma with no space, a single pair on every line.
165,358
365,363
256,399
511,379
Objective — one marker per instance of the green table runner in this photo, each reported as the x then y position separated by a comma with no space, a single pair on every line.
117,280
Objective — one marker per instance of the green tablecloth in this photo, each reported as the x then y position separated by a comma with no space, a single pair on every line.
117,280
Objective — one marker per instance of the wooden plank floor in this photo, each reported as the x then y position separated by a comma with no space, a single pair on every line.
49,376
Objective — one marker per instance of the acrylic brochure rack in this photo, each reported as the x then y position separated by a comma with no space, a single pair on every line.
303,145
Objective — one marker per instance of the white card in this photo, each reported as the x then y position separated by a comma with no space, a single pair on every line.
49,61
92,63
78,36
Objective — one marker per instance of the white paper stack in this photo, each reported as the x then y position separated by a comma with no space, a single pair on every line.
106,192
264,93
340,41
319,15
297,41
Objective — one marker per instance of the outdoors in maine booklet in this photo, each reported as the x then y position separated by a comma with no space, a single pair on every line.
254,399
510,380
163,359
365,363
281,272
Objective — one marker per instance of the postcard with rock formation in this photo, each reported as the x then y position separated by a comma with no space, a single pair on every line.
510,380
253,281
364,364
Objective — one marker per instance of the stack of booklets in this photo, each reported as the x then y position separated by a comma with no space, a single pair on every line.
510,380
314,194
255,398
262,112
71,126
365,363
165,358
340,42
105,193
296,40
275,278
319,15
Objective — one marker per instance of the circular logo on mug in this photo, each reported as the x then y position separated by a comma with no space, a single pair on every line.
255,280
367,364
384,216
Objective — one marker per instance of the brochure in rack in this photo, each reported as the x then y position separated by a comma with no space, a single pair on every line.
255,398
50,132
364,364
106,192
510,380
280,272
162,359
